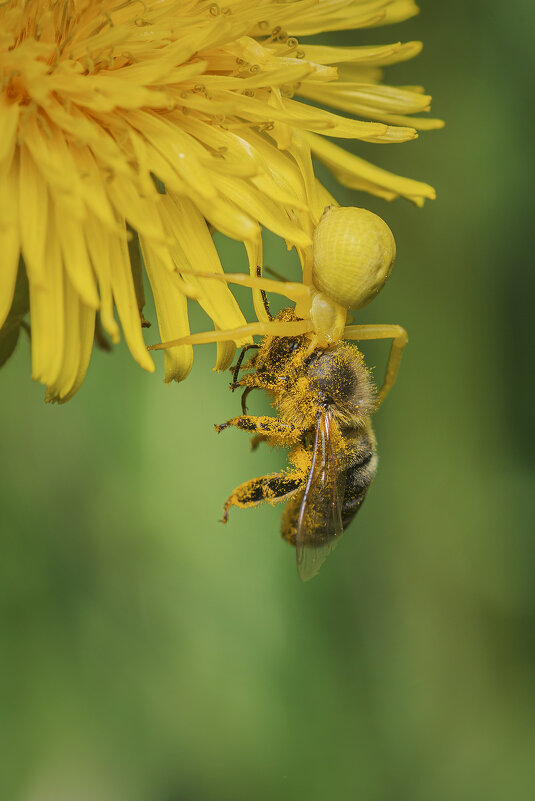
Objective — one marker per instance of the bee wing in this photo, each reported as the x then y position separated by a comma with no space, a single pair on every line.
319,524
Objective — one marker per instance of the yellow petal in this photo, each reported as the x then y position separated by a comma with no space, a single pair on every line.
226,216
377,102
336,16
398,11
98,246
195,250
172,312
49,150
48,324
335,125
163,68
270,188
84,336
71,350
140,212
122,286
225,147
9,114
225,355
290,70
300,150
262,208
418,123
181,150
92,177
366,99
33,216
378,55
9,240
70,234
353,171
283,169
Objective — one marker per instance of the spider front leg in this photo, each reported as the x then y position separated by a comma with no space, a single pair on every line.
272,488
271,429
301,294
271,328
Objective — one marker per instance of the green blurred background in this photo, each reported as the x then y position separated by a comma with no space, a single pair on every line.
149,654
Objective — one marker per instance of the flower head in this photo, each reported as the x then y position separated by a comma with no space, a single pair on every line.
128,127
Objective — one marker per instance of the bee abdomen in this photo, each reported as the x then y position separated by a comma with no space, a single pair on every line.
359,475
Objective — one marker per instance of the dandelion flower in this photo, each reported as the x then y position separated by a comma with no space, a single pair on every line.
132,129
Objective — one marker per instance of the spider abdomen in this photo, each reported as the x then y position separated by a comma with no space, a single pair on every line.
354,252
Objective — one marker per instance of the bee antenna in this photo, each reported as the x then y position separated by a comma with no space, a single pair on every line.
237,367
263,295
275,274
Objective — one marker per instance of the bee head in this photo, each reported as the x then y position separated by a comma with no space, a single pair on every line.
278,355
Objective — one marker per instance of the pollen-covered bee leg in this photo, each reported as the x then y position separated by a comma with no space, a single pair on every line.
257,381
272,488
279,433
399,338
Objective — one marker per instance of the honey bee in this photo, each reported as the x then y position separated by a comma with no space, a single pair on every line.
324,399
320,385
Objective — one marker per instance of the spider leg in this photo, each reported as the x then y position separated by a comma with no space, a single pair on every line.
399,338
274,328
289,289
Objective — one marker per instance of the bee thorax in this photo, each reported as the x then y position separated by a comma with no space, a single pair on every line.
340,381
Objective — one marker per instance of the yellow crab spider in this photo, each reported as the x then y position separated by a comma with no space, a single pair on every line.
353,254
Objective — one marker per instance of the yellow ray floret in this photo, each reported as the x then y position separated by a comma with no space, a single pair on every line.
132,130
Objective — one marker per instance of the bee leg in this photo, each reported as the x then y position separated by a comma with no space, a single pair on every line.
269,427
273,488
256,440
256,381
252,381
399,338
246,391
